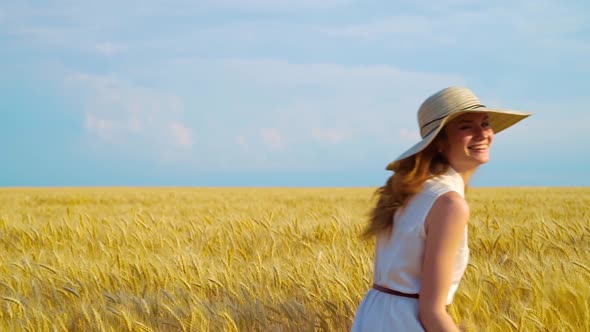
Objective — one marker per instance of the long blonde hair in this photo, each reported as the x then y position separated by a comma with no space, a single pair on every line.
407,180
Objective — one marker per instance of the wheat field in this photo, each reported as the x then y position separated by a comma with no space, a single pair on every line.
223,259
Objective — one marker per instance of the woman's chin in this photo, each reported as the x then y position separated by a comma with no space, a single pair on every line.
480,158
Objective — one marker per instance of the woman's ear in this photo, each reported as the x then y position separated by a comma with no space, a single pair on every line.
440,146
441,142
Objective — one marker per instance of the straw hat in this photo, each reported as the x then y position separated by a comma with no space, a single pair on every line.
447,104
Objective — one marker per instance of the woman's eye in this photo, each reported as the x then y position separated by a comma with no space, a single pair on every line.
464,127
485,124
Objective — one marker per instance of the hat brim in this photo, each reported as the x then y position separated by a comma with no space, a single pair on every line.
499,119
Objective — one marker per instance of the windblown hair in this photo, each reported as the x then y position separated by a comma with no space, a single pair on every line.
407,180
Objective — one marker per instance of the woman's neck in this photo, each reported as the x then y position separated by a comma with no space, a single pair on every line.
465,173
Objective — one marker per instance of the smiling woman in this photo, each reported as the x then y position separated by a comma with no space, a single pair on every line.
420,220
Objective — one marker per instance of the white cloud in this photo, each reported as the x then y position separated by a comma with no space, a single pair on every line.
119,112
330,102
241,142
103,128
273,138
182,135
135,124
360,81
516,25
298,105
279,107
330,135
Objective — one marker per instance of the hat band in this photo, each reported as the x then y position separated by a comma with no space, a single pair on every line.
446,115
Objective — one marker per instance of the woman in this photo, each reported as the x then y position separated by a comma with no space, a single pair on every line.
420,220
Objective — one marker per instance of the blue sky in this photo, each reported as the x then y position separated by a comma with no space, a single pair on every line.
281,92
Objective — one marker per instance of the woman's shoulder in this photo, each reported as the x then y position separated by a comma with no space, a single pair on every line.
452,200
449,210
444,183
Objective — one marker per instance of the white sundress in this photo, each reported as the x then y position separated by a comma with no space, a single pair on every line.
398,263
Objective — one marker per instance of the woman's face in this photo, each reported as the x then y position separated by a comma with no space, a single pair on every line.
469,137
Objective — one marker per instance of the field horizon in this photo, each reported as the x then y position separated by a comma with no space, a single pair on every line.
268,187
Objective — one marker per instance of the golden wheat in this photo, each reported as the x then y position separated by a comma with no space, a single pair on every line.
139,259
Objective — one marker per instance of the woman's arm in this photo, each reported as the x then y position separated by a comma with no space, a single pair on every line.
445,228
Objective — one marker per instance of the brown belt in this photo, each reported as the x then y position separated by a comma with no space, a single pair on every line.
393,292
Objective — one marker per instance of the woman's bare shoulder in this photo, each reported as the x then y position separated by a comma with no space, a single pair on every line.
449,210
